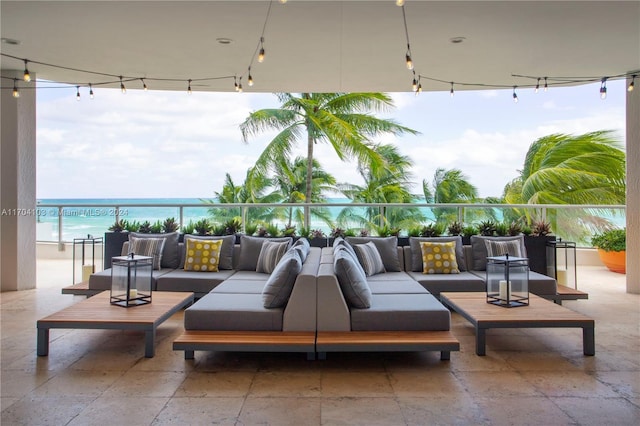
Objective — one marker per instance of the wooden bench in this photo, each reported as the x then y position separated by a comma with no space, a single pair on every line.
566,293
80,289
246,341
372,341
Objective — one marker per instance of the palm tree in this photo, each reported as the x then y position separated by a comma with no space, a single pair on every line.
290,179
448,186
389,184
567,169
344,120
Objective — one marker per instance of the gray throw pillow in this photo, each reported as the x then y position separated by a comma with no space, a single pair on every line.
479,249
500,248
151,247
250,248
278,288
270,255
340,243
352,280
416,251
387,247
369,258
226,250
170,252
303,245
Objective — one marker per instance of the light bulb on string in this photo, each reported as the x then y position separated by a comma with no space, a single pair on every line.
414,83
235,83
633,80
283,1
261,52
408,59
144,85
537,86
189,87
240,85
515,96
122,88
451,91
26,76
603,89
399,2
78,93
546,86
16,93
90,91
249,78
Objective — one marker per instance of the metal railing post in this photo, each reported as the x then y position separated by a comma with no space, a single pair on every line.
60,214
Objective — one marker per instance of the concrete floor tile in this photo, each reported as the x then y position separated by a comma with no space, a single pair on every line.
78,383
598,411
361,411
120,411
146,384
18,383
457,409
220,384
44,411
522,411
625,383
6,402
425,383
286,384
200,411
496,384
280,411
356,384
539,361
568,383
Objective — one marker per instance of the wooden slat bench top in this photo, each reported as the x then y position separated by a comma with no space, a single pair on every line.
80,289
385,337
246,337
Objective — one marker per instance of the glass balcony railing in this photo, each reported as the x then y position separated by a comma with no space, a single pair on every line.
61,223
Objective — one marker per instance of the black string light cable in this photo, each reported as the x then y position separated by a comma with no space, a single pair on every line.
259,53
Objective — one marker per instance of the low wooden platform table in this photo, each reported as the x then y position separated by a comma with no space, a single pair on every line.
540,313
97,313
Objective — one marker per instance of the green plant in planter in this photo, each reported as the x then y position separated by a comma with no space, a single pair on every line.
156,227
469,230
202,227
132,226
250,229
487,228
350,232
337,233
273,230
145,227
455,228
189,228
218,229
305,232
515,228
170,225
502,229
289,231
431,230
232,226
611,240
317,233
541,228
118,226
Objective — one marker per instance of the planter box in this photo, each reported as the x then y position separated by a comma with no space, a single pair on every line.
537,252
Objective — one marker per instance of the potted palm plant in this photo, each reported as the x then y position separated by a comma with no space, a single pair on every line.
612,249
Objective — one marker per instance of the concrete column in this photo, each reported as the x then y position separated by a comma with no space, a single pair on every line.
17,186
633,188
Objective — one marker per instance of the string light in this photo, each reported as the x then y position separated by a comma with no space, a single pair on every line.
240,85
235,83
633,80
90,91
546,86
189,87
408,58
26,76
283,1
603,88
78,93
261,53
122,88
515,96
451,91
144,85
16,94
250,79
537,85
399,2
414,84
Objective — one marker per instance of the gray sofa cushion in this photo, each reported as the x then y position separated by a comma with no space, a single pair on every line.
302,244
250,251
416,251
369,258
102,280
232,312
436,283
151,247
197,282
480,249
170,252
280,283
226,250
407,286
500,248
240,286
387,247
342,243
270,254
352,280
401,312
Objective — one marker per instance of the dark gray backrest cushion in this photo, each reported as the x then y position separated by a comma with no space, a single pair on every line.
170,252
270,254
342,243
250,248
387,247
352,279
304,247
479,249
369,258
278,288
416,251
226,250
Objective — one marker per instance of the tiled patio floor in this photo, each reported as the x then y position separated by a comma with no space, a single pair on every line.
530,376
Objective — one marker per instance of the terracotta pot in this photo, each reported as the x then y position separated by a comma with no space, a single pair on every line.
614,260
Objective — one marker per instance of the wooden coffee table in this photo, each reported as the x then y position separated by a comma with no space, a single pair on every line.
97,313
540,313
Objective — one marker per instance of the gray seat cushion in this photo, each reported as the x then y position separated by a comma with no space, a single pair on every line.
240,286
436,283
197,282
407,286
401,312
539,284
102,280
232,312
249,276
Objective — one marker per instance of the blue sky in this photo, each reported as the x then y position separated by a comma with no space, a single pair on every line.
173,145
